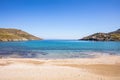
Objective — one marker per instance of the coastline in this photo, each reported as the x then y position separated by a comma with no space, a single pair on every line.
99,68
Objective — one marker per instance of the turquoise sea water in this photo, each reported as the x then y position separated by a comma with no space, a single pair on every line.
58,49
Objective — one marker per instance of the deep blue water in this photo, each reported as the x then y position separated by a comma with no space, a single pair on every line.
58,49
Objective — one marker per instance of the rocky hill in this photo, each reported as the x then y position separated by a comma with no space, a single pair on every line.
111,36
15,35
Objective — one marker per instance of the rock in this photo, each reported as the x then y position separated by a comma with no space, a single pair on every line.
112,36
15,35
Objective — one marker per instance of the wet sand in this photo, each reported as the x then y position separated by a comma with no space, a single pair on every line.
100,68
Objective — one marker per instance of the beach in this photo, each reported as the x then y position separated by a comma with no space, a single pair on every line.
59,39
99,68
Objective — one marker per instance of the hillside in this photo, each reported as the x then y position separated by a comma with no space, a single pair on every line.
111,36
15,35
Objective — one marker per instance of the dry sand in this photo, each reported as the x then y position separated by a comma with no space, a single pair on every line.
102,68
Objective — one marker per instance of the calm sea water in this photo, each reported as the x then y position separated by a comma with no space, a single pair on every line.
58,49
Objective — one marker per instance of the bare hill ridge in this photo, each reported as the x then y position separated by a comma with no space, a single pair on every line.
111,36
15,35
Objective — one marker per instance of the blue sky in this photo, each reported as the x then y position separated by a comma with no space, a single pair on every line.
60,19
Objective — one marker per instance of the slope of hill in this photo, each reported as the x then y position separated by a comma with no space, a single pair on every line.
15,35
111,36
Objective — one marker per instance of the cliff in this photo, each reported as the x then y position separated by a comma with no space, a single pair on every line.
15,35
111,36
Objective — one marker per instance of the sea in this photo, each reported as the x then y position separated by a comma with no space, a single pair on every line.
58,49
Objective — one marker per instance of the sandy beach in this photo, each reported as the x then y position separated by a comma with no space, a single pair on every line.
100,68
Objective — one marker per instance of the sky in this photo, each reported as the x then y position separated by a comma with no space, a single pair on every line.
60,19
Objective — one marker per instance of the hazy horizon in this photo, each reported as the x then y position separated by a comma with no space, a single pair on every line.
60,19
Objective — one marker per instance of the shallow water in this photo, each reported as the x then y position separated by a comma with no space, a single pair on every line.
58,49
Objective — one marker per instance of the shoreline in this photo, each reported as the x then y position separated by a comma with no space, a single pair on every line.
99,68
